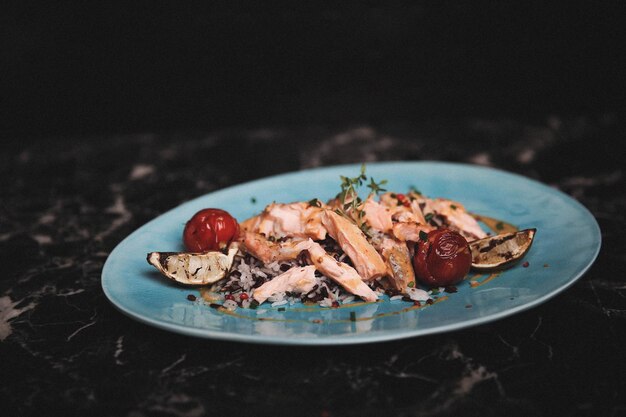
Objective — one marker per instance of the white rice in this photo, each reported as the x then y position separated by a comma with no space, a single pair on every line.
348,299
273,266
250,273
417,294
326,302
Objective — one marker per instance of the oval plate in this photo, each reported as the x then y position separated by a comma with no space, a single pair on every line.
567,242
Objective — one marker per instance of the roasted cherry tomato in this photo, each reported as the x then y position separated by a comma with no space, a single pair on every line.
210,229
442,259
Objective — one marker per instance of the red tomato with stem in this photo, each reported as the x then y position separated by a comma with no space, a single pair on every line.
210,229
442,259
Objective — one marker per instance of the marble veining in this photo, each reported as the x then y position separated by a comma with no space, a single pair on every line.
63,347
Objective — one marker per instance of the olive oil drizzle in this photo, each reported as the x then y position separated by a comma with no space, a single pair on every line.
496,225
475,282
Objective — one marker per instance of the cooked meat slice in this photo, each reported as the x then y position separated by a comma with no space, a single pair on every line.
400,212
288,220
458,218
299,279
398,259
342,273
259,247
353,242
377,215
267,251
417,212
409,231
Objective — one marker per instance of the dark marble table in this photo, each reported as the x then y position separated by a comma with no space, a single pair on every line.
66,350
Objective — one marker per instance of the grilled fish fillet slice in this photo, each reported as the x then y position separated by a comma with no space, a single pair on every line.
342,273
401,213
266,251
398,259
377,215
458,218
299,279
409,231
299,219
353,242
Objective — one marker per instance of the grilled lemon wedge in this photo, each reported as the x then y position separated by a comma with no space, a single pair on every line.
501,251
194,268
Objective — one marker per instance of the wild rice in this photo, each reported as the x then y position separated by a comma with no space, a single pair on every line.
249,273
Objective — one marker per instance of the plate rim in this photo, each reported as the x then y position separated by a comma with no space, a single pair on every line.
364,337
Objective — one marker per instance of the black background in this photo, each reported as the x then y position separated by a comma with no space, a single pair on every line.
81,68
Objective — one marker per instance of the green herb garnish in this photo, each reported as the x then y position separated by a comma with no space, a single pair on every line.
428,216
411,284
423,235
376,187
499,225
415,190
349,196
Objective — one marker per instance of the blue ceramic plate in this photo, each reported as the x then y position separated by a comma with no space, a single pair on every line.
566,244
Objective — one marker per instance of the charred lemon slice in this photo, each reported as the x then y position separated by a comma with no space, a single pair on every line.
501,251
194,268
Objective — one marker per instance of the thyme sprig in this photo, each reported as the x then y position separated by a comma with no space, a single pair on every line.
350,200
349,196
376,186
